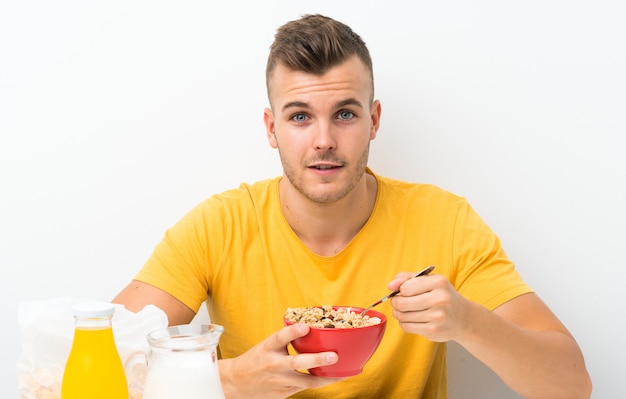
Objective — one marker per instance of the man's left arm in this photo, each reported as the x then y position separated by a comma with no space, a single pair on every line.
529,348
522,341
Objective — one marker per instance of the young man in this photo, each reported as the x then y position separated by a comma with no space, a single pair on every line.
328,232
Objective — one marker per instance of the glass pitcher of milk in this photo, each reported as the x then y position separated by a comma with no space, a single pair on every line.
182,363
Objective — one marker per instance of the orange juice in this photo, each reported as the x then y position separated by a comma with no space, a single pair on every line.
94,369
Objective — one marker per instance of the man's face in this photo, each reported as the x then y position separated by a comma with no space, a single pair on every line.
322,126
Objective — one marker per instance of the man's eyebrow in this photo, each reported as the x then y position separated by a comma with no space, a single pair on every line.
295,104
340,104
349,101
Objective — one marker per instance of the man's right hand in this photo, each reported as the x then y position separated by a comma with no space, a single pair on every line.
268,371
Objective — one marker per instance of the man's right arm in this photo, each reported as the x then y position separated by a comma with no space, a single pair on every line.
136,295
266,370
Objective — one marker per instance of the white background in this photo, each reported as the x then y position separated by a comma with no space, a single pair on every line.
116,117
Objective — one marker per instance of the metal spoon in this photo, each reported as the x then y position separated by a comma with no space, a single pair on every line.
421,273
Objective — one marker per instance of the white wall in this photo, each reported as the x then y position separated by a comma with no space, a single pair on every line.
116,117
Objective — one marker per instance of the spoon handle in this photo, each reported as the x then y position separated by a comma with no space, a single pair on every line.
396,292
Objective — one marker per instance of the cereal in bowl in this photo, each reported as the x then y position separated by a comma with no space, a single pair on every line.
329,317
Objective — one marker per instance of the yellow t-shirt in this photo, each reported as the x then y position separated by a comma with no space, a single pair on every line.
236,251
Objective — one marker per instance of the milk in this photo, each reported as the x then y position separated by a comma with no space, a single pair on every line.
192,376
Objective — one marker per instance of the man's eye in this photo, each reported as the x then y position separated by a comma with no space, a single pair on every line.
299,118
345,115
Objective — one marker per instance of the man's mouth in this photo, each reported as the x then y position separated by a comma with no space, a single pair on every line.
324,167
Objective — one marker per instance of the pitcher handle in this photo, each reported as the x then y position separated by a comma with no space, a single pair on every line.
136,370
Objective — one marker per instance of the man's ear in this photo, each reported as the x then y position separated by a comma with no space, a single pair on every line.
376,112
270,127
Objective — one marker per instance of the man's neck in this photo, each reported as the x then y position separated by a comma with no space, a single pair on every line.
326,228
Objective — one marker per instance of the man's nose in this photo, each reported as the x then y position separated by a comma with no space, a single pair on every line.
324,137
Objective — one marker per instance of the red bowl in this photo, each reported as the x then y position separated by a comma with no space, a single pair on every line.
354,346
